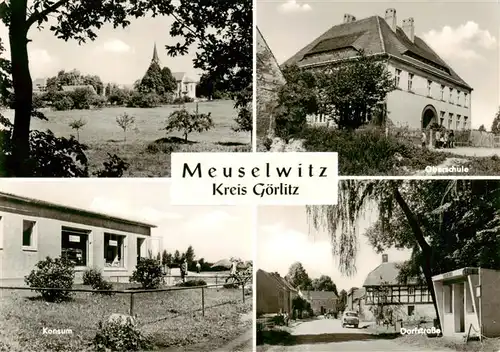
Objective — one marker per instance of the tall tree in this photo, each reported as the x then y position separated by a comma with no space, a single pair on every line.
324,283
342,302
298,277
190,256
177,257
169,82
495,126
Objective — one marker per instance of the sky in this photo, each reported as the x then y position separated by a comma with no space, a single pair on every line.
216,232
465,35
283,238
119,56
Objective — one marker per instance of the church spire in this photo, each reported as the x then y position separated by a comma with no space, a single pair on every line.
155,58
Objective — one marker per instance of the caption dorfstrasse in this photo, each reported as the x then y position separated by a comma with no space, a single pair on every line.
260,188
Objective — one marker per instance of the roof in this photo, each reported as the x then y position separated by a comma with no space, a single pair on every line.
263,47
181,76
459,273
278,279
374,36
313,295
359,293
40,81
44,204
385,274
75,87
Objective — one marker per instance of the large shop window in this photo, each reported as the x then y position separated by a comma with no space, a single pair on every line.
114,250
74,245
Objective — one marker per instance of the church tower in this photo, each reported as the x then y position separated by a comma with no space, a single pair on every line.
155,59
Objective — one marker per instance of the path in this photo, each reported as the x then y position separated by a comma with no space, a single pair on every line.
328,335
446,164
472,151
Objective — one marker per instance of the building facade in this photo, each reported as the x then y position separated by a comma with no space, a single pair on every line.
468,302
31,230
186,86
427,90
383,289
274,293
322,302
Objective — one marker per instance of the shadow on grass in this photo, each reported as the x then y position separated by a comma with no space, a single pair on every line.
174,140
231,144
277,337
114,140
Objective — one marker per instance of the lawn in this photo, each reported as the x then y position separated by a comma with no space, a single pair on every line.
147,148
171,319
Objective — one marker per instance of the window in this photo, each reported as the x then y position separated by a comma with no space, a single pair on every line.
451,96
397,78
410,82
458,122
74,245
447,298
442,92
441,118
466,100
429,88
411,310
114,250
465,122
411,290
450,120
459,95
29,234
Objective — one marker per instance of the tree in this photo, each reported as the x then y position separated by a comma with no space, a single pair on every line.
324,283
298,277
77,125
189,255
482,128
82,98
177,257
186,122
416,203
169,82
495,126
342,301
125,121
244,120
153,80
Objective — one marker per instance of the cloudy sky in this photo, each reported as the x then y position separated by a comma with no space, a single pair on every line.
283,238
118,55
214,232
463,34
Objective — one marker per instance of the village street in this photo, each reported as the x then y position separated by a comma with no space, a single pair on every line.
328,335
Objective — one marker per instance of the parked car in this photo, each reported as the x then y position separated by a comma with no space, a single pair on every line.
350,318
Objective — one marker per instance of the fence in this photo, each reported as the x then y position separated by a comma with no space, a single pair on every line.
217,280
148,306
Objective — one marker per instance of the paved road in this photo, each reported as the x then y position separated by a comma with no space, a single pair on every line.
325,335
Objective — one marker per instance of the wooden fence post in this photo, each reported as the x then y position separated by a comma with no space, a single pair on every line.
131,304
203,301
243,291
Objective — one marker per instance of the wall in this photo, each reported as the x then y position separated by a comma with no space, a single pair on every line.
490,302
405,108
17,262
267,294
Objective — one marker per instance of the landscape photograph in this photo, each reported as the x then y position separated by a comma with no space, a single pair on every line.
395,87
110,266
396,265
111,89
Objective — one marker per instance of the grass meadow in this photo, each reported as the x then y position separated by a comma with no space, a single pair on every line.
147,147
172,319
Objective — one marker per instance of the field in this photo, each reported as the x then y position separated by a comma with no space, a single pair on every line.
171,319
147,148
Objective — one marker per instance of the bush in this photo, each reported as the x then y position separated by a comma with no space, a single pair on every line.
116,336
182,100
64,103
38,101
148,273
103,285
83,98
113,167
92,276
141,100
192,283
98,101
52,273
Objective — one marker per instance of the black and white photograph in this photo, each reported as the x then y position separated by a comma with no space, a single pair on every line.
397,265
396,88
113,88
90,265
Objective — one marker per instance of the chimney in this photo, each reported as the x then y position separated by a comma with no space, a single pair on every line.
349,18
390,18
385,258
409,28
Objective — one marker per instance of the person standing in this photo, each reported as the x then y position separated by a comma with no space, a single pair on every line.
184,270
424,139
446,140
452,139
438,139
198,267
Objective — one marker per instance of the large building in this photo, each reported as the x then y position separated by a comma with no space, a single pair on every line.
31,230
274,294
428,90
322,302
384,289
